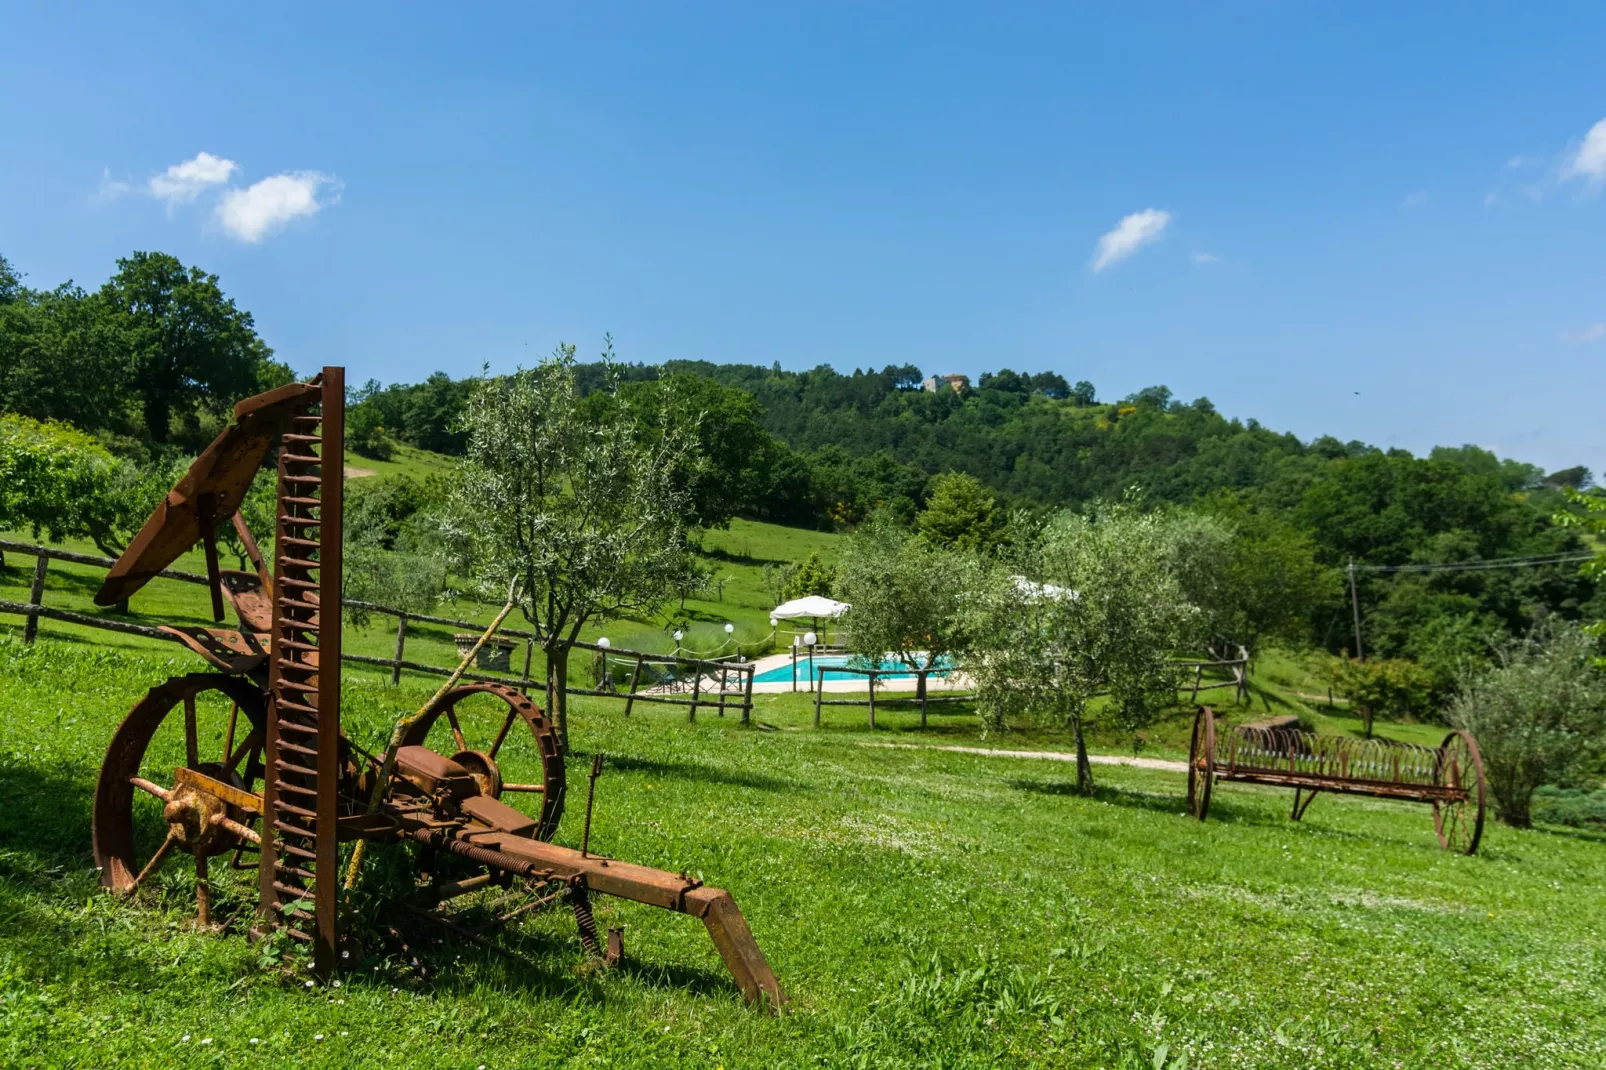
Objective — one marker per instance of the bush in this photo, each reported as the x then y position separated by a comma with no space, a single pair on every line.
1570,806
1388,687
1538,714
811,577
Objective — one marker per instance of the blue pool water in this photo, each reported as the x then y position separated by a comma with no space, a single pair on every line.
783,673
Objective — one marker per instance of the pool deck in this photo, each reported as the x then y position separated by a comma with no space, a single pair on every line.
953,682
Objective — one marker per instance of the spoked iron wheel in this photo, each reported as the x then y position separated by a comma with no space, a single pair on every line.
1202,762
145,815
474,726
1459,819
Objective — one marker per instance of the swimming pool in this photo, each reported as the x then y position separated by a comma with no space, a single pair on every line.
782,674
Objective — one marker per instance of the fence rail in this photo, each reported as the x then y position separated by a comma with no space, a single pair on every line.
921,696
717,671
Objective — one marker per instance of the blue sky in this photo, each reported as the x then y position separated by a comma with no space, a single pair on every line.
1304,201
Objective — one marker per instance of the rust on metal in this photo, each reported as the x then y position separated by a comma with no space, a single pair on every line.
285,785
1449,777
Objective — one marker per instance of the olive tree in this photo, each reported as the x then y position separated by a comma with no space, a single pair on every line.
906,595
570,503
1538,712
1084,606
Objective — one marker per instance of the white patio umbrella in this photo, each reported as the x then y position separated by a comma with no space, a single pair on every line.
814,607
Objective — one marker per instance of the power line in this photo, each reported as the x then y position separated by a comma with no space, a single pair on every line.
1534,561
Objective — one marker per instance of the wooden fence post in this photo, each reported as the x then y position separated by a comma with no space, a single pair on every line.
921,683
1198,677
696,690
401,643
635,675
529,651
36,595
747,695
818,694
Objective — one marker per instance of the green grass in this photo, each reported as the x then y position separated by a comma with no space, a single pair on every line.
405,461
921,907
736,556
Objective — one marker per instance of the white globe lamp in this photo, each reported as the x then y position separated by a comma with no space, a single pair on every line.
809,639
603,643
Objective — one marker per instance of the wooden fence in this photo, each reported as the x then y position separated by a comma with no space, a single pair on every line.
718,684
922,695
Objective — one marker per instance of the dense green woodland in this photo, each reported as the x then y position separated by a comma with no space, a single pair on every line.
149,363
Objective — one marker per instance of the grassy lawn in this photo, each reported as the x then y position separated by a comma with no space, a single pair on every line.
922,908
736,556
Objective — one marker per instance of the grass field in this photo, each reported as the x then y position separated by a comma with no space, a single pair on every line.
737,557
921,907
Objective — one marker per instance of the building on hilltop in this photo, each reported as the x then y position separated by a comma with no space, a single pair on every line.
957,383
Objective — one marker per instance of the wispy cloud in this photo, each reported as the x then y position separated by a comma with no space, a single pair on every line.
1130,235
1516,161
1490,198
1593,333
1588,161
1415,200
1205,258
251,214
110,188
188,180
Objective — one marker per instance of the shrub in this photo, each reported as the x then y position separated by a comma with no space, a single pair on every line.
1389,687
1538,713
1570,806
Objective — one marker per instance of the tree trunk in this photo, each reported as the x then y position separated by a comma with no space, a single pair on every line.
158,414
1084,768
557,697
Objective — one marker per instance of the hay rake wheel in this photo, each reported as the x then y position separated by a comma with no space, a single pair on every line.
479,739
222,747
1458,821
1202,763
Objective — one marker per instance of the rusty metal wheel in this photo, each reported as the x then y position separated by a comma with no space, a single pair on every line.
1458,820
474,731
145,813
1202,762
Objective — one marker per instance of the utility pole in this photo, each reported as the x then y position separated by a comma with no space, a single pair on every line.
1355,605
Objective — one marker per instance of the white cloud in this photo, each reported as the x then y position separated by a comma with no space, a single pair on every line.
253,213
1516,162
1489,198
1415,200
1205,258
186,181
1593,333
1130,235
1588,162
110,188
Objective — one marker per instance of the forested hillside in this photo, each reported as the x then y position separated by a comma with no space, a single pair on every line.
149,362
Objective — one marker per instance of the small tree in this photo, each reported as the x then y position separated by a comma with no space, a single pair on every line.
1538,713
960,513
56,480
572,506
906,596
813,576
1387,687
1085,605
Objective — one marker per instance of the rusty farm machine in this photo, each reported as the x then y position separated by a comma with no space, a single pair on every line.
267,780
1449,777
